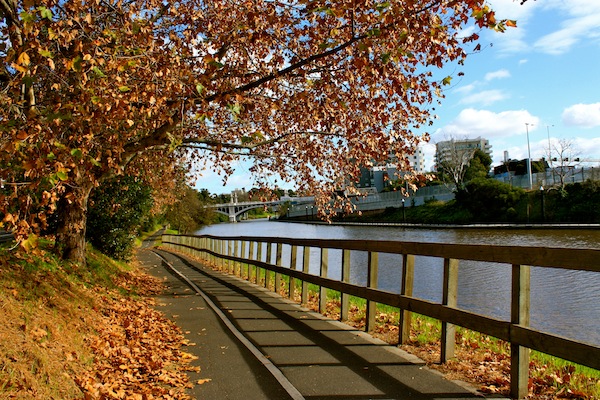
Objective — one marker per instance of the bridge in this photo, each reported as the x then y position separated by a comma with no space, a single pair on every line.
233,209
305,206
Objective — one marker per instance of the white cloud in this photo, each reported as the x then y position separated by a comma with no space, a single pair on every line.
577,21
500,74
513,39
580,21
510,42
484,98
582,115
488,124
573,31
466,88
588,148
511,9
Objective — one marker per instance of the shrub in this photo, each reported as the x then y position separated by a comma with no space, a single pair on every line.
118,208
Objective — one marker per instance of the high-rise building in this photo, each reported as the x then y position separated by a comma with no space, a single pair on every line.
450,150
380,176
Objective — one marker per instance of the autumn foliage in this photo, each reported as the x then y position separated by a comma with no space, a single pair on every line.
308,90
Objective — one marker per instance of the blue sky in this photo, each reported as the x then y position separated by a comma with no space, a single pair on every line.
545,73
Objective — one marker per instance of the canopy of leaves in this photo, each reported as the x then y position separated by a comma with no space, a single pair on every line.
309,90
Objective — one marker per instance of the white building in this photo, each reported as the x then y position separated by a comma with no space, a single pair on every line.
380,176
450,150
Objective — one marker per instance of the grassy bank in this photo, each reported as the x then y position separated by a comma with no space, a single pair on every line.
70,332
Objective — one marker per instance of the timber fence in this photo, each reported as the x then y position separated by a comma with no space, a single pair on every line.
236,254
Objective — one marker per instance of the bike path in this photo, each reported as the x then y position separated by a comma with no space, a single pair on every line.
302,355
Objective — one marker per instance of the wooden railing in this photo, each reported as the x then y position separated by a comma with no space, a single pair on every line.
233,252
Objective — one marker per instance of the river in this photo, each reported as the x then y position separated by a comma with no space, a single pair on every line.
563,302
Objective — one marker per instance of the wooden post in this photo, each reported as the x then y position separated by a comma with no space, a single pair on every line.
268,261
215,248
292,281
345,304
372,277
243,255
236,265
408,279
305,268
216,244
205,246
278,255
449,298
250,257
229,253
323,273
519,315
258,258
223,252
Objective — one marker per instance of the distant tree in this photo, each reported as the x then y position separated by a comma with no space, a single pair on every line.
453,167
565,158
188,213
479,166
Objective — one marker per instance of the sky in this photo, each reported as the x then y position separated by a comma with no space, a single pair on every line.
541,78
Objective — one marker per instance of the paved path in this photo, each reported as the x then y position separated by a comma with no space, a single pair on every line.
302,355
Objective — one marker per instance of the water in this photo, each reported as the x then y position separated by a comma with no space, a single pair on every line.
563,302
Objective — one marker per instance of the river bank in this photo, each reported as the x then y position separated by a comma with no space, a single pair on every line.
447,226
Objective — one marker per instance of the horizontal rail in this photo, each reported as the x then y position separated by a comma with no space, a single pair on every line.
554,257
516,331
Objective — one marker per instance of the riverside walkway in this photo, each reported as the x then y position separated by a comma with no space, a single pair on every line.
254,344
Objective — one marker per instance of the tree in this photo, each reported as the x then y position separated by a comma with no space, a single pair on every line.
453,164
188,212
308,90
565,157
479,166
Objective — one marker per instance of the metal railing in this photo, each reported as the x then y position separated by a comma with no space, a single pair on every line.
235,252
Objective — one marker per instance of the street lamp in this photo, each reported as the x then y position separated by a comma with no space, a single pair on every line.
549,145
529,156
543,212
403,212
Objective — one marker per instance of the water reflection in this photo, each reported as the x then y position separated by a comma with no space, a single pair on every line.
562,301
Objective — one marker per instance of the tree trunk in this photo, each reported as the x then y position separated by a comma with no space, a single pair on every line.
72,220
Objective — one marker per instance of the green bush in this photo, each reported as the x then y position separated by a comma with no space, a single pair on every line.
489,200
118,209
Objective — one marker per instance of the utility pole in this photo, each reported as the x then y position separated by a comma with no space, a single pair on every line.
529,156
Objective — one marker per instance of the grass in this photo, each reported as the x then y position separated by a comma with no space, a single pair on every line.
46,314
52,312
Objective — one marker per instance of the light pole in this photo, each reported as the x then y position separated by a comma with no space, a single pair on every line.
549,145
543,212
403,212
529,156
